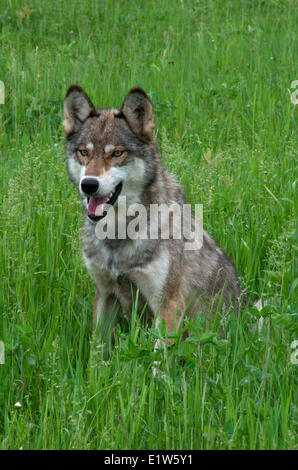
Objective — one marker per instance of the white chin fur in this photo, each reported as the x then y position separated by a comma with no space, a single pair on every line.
85,203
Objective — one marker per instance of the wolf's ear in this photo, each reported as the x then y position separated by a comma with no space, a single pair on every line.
138,112
77,108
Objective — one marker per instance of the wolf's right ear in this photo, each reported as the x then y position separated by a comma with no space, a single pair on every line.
77,108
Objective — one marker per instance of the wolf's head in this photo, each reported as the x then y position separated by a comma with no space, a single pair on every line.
109,151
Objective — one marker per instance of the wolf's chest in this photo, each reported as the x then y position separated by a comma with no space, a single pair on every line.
110,266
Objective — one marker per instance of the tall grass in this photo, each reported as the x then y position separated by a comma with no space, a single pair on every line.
219,75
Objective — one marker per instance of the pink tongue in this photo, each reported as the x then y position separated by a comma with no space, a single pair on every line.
96,205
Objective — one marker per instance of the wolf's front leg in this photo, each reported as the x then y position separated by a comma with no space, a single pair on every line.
105,310
172,312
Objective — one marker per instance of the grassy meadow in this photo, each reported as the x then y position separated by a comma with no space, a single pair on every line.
219,73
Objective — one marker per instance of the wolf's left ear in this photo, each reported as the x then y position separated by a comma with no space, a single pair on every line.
138,112
77,108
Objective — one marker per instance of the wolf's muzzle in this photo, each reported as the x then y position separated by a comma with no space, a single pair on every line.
89,185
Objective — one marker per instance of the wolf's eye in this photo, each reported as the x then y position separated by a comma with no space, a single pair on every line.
83,152
117,153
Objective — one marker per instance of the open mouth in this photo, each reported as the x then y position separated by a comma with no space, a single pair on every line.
96,205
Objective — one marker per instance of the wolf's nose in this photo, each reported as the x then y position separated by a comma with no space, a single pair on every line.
89,185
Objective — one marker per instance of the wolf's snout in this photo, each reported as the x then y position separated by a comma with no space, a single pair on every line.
89,185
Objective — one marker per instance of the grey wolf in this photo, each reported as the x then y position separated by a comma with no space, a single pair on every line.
111,152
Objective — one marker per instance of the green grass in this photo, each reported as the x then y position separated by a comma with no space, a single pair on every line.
219,75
